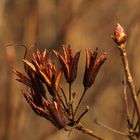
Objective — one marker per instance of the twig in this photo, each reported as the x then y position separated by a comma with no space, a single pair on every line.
80,101
65,98
70,101
87,109
64,106
87,131
135,128
69,92
133,115
126,103
111,129
130,81
134,112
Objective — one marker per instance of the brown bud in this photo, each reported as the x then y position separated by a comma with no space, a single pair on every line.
119,35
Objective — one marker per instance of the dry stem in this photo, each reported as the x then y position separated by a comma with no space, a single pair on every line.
80,101
87,131
130,81
126,103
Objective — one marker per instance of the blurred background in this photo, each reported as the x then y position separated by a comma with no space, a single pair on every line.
82,24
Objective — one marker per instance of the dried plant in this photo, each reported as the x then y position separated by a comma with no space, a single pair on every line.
42,80
41,74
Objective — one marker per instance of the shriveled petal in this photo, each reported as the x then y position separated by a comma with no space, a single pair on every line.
64,63
47,81
93,73
34,56
52,89
41,73
60,117
38,110
100,60
74,65
29,64
38,54
88,61
30,101
69,55
88,57
65,68
93,59
57,80
94,66
44,53
56,113
56,53
65,53
22,78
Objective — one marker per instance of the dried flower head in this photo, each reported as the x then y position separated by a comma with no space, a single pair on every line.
69,63
40,72
41,76
119,35
93,65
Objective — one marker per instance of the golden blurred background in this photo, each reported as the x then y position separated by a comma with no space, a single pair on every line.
82,24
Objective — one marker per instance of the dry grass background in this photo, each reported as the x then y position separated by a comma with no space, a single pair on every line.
83,24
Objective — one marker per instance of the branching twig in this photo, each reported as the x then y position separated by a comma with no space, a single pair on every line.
130,80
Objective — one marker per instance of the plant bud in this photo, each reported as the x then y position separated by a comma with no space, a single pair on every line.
119,35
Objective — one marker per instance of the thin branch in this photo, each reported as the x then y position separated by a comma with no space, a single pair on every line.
64,106
87,131
111,129
70,101
69,92
80,101
126,103
64,95
133,115
130,81
87,109
135,128
134,112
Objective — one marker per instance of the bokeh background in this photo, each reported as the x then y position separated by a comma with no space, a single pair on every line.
82,24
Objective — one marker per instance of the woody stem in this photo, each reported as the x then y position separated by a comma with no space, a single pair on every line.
85,89
130,81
